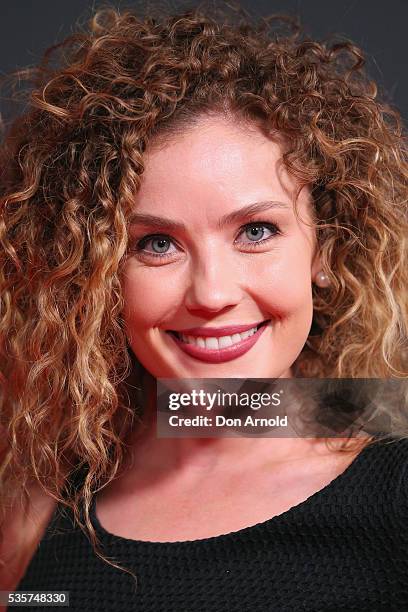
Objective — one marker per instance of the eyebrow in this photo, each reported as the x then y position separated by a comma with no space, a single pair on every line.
230,218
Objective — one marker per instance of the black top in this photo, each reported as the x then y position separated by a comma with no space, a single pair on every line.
345,548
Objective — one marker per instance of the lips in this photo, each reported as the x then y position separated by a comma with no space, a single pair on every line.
216,332
220,355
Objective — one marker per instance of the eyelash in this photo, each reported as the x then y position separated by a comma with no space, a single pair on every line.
140,244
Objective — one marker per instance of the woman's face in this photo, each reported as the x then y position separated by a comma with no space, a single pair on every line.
212,261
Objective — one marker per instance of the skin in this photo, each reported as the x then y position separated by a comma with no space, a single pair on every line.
210,170
210,279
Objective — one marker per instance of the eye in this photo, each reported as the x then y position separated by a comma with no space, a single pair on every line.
160,244
256,232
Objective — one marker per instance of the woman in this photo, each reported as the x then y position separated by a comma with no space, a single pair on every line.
171,178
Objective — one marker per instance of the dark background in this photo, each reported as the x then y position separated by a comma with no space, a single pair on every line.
28,27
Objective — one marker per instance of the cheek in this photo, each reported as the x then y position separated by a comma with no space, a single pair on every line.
149,297
285,287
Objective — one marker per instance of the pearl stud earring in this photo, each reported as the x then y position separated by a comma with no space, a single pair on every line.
322,280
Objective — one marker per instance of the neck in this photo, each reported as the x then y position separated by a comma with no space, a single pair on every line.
185,456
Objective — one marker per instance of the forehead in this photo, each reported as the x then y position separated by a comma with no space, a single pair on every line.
216,164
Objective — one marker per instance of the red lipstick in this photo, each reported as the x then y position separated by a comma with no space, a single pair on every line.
220,355
216,332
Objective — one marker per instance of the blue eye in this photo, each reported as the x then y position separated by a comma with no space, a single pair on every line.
256,231
161,243
161,249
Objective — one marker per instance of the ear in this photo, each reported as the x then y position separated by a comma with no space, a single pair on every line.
316,264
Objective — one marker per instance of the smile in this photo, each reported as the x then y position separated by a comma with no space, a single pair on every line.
212,349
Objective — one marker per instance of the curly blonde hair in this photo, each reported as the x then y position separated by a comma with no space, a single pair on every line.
71,165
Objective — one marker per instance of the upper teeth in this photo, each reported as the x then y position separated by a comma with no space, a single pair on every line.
218,343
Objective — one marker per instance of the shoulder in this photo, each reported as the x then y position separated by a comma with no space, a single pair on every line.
389,454
398,450
23,533
393,451
388,467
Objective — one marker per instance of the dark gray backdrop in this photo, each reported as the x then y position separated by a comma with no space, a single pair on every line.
28,27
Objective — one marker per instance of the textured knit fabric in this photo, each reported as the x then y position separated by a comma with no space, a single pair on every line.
343,549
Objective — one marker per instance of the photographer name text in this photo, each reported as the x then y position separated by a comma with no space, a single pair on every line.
222,421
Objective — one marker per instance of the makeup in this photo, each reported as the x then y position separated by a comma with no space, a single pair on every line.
203,347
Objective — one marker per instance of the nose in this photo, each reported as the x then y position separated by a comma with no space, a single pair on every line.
214,284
